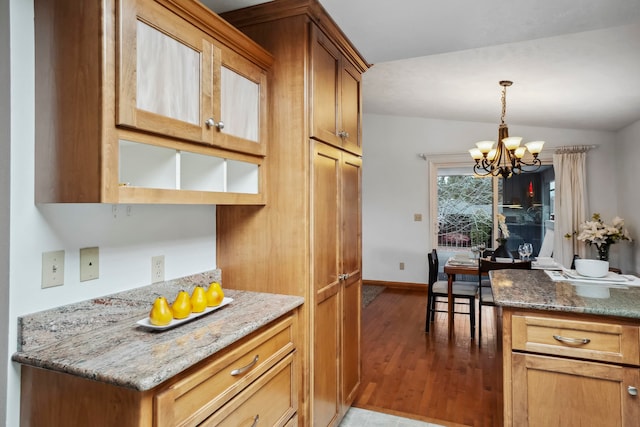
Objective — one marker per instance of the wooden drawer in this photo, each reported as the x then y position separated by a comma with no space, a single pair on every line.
201,391
591,340
270,401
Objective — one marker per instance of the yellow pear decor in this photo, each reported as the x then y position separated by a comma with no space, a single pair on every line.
182,305
215,295
160,314
198,300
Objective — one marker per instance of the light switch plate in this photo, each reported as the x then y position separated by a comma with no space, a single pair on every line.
89,264
52,269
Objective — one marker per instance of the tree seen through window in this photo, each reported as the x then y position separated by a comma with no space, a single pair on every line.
465,215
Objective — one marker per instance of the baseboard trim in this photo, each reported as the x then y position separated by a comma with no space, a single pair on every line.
422,287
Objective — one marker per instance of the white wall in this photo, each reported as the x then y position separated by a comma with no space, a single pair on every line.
128,239
628,181
5,153
395,184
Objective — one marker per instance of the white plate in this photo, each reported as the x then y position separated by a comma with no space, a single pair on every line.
469,262
175,322
549,266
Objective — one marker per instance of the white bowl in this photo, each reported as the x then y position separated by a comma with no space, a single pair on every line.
592,267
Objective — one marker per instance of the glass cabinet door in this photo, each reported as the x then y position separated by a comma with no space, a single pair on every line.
243,94
166,73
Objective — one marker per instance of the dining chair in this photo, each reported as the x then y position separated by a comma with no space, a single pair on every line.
464,293
485,294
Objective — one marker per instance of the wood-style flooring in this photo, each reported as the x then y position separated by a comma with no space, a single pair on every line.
427,376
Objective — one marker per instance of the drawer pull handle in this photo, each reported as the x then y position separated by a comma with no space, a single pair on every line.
632,390
244,369
255,421
575,341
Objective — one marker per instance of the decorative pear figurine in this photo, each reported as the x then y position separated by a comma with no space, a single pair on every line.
198,300
160,314
214,294
182,305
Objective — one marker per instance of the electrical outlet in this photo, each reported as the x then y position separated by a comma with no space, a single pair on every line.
52,269
417,217
402,266
157,269
89,264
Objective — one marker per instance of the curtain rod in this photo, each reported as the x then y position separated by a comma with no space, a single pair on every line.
575,148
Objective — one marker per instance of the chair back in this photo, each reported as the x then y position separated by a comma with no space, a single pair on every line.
546,248
573,261
433,267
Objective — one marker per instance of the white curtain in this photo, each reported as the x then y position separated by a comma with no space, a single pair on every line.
570,204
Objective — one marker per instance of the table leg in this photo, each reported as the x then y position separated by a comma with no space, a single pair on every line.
450,302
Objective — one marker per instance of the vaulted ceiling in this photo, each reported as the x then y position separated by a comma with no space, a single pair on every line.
574,63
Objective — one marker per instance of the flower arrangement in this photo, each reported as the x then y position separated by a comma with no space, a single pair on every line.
596,232
503,230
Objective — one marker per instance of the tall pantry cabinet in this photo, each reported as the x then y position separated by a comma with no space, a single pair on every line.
307,239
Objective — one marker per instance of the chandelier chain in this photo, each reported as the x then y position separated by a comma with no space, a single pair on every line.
504,104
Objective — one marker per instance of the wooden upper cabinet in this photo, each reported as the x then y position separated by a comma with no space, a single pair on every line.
176,80
351,107
336,83
147,101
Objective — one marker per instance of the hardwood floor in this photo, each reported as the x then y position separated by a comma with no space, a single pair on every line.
427,376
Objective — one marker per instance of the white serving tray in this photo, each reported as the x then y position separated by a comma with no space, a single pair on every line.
176,322
610,277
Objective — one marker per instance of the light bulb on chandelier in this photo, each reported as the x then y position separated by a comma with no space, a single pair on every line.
507,158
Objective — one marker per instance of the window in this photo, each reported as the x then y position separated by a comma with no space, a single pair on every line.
466,208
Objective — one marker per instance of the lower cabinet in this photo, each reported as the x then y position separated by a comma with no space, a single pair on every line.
552,391
563,369
338,279
269,401
253,382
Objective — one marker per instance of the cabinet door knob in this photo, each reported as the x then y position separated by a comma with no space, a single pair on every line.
343,134
632,390
255,421
212,123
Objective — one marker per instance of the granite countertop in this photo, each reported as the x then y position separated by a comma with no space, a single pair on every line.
99,339
533,289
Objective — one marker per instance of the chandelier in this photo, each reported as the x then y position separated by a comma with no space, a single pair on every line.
506,158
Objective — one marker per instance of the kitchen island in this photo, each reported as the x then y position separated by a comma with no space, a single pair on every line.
90,363
571,351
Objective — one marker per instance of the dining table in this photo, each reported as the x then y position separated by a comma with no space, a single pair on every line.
470,266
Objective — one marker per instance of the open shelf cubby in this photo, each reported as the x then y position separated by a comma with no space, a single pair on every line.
150,166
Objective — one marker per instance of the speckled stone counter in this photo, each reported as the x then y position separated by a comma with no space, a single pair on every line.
535,290
99,339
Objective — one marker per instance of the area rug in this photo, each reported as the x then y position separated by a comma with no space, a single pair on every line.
370,292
